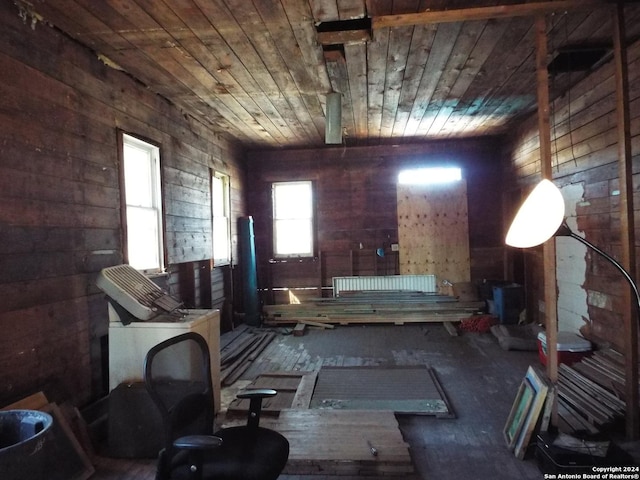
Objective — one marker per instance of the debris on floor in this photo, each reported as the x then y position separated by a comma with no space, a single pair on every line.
478,323
239,349
517,337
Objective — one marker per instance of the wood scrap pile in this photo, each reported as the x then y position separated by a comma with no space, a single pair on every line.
591,392
239,349
374,307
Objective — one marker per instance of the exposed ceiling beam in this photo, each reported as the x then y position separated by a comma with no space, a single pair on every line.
484,13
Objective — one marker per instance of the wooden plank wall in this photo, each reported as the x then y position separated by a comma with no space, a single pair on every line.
433,227
356,206
584,150
60,108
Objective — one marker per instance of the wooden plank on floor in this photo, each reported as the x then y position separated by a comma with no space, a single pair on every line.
229,337
600,378
294,391
449,327
304,393
312,309
336,442
312,323
575,421
390,318
230,373
298,330
592,389
108,468
33,402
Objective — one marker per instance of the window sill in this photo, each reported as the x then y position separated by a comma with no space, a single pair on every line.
293,260
156,275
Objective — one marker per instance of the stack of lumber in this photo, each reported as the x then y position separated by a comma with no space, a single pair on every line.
591,392
396,307
239,349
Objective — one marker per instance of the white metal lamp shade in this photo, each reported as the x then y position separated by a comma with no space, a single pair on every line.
333,119
539,217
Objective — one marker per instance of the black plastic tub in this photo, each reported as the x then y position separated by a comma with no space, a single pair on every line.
23,435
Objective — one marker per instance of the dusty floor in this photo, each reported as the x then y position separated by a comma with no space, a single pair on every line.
479,378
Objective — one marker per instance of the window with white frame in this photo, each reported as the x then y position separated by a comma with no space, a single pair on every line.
143,200
292,219
221,222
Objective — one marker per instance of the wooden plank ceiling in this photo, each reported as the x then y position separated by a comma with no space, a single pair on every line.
408,70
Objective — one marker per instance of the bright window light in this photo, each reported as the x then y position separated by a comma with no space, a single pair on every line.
143,198
293,219
220,207
428,176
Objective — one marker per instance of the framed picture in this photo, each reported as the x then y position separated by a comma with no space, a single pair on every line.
526,411
518,413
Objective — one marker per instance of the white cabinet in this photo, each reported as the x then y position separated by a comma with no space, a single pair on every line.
129,344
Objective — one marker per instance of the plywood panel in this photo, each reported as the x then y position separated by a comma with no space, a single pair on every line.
339,442
433,231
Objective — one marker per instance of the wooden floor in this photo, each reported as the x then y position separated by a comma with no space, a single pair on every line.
479,378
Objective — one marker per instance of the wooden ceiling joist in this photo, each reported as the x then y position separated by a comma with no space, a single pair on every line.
484,13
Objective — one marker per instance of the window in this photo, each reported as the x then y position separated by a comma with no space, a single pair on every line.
292,219
143,200
220,217
429,176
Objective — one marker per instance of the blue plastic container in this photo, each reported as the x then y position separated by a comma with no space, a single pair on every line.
508,302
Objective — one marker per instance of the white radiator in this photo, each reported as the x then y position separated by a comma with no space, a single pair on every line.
412,283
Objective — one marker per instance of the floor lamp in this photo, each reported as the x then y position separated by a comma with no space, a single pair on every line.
541,217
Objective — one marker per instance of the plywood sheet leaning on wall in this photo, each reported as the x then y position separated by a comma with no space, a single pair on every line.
433,231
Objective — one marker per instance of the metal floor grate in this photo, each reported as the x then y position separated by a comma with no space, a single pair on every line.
403,389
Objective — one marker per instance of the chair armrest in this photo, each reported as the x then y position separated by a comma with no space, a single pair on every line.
195,447
197,442
255,397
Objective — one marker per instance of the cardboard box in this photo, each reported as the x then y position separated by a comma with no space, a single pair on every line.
465,291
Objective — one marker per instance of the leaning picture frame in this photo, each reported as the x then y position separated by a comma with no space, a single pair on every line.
541,388
518,413
526,411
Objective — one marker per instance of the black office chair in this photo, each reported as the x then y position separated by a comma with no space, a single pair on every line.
177,374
